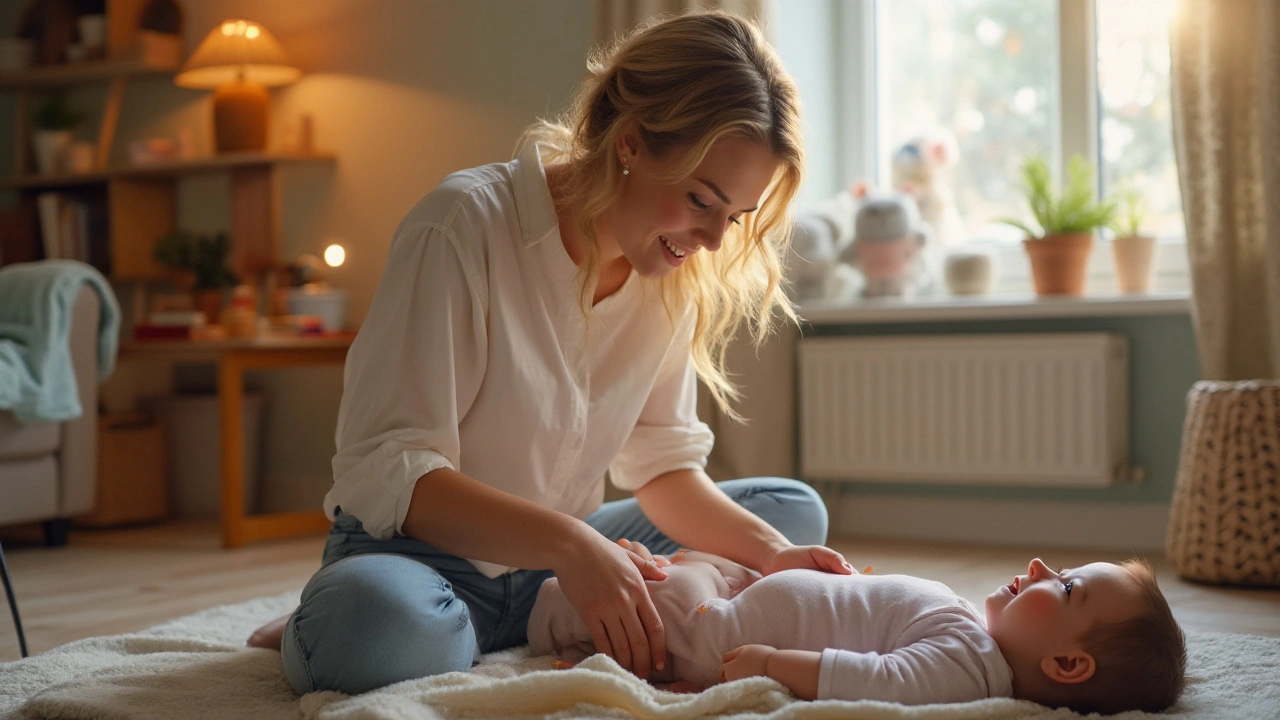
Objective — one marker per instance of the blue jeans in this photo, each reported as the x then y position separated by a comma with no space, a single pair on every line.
381,611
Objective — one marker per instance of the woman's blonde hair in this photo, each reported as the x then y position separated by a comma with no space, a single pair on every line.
683,84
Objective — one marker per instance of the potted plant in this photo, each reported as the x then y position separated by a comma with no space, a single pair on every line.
54,119
200,262
1134,251
1059,243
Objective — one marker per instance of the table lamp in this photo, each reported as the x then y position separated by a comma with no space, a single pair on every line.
239,59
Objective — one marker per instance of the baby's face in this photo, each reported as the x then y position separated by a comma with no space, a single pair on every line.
1045,612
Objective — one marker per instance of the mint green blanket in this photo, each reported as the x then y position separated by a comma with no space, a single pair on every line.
37,381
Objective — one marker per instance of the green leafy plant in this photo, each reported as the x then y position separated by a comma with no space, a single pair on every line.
1070,211
55,113
204,256
1131,211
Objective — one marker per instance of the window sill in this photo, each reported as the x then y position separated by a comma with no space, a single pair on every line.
992,307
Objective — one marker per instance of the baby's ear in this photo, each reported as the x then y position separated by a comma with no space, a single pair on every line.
1074,667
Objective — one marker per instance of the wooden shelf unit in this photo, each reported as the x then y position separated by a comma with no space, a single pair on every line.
176,168
141,201
82,73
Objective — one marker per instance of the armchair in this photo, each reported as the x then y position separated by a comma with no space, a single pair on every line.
59,321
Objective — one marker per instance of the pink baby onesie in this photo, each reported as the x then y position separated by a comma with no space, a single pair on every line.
881,637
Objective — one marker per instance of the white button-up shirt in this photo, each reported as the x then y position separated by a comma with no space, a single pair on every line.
476,356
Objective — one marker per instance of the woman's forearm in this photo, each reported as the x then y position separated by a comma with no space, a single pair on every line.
465,517
688,507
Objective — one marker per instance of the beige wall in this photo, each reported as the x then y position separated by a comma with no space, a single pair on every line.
403,92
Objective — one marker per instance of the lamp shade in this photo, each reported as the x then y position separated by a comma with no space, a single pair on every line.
237,51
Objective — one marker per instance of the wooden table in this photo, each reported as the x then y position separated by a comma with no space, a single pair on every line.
233,357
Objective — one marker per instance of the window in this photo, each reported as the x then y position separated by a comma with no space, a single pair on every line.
1136,123
994,74
986,71
1006,78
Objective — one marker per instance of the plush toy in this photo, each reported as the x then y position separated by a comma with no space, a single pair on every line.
888,238
819,234
920,167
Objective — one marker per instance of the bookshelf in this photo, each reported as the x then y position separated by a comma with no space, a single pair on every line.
81,73
173,169
132,206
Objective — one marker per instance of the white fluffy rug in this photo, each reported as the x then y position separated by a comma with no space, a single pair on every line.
198,667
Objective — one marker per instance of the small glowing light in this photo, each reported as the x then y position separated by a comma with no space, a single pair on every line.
989,32
251,32
228,28
334,255
1024,101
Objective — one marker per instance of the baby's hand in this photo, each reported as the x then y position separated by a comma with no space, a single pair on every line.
746,661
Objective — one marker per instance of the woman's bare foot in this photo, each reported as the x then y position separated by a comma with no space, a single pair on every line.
269,635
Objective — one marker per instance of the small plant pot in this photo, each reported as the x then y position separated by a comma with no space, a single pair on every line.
1134,254
1059,262
209,303
51,147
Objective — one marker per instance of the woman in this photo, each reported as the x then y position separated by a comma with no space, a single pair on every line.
538,325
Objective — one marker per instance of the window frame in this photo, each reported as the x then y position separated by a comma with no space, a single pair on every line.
859,136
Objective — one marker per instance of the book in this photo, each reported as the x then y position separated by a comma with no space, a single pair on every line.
73,231
161,332
49,205
176,318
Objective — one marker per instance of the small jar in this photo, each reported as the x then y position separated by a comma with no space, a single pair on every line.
241,316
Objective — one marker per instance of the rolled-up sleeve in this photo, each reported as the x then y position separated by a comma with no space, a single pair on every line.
668,436
411,375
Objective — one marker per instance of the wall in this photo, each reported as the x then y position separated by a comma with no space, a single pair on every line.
807,41
403,92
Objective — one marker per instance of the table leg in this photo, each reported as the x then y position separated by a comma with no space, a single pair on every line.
231,402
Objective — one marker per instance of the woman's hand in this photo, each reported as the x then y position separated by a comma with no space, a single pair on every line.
806,557
604,582
639,549
746,661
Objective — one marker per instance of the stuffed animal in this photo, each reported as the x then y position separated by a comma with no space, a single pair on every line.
920,167
888,238
819,234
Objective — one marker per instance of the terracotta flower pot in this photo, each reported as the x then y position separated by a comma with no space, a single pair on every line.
1059,262
1133,262
208,302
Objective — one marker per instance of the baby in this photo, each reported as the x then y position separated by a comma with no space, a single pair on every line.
1098,638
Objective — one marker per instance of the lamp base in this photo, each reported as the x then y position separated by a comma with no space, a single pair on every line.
240,113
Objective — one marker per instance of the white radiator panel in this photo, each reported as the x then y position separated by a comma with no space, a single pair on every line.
1043,410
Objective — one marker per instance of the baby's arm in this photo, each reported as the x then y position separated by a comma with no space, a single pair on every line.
797,669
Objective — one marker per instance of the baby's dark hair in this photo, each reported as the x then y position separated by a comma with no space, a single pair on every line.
1141,662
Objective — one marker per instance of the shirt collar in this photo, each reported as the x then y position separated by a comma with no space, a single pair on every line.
534,206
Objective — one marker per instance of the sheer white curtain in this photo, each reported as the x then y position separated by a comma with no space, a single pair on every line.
1226,126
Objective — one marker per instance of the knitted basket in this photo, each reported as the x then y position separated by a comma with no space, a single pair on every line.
1224,526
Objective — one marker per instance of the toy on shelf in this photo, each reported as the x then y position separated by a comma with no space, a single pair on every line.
920,168
820,234
888,237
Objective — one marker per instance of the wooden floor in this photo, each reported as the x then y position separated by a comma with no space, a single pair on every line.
108,582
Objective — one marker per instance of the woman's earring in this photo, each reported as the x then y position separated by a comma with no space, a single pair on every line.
626,170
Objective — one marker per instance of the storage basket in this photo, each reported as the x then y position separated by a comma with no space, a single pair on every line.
1224,525
132,485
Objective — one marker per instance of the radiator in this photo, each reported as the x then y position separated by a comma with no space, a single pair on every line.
1042,410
